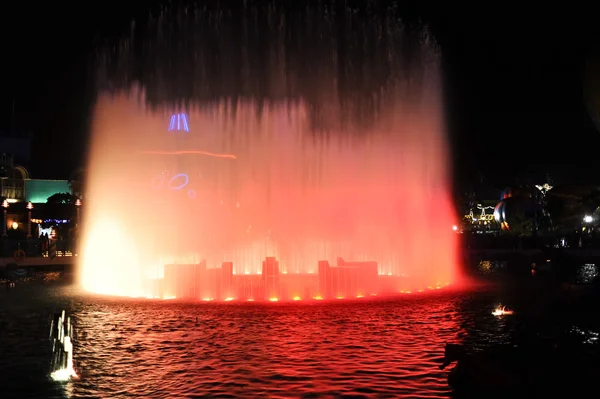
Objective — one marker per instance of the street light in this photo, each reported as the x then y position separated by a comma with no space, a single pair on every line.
5,206
29,208
78,205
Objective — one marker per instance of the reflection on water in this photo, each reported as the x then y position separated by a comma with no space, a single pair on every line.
490,266
587,273
587,336
365,348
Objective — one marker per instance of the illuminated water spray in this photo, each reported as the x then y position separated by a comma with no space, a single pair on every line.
61,335
297,159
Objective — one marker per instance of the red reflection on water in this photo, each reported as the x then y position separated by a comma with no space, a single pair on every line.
284,350
290,216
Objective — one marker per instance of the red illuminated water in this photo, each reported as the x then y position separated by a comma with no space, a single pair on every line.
246,183
306,169
361,348
129,348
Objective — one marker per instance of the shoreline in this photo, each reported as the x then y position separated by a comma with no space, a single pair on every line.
68,263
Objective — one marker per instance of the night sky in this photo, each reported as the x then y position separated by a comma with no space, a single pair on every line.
513,84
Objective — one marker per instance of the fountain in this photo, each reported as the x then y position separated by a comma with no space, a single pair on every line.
269,154
61,334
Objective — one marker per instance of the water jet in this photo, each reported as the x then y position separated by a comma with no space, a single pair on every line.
271,155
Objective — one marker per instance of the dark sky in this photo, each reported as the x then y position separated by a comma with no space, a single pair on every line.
513,84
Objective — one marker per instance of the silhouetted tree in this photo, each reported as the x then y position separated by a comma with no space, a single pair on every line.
567,205
61,198
521,225
59,206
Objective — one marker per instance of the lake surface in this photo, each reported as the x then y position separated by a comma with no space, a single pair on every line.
368,348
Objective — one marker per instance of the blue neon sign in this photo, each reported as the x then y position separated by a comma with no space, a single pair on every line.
186,180
179,122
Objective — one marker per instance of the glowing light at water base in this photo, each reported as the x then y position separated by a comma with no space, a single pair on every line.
309,190
502,311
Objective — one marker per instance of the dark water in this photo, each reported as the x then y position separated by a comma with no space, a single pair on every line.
367,348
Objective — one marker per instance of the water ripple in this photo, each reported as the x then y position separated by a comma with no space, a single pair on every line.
128,348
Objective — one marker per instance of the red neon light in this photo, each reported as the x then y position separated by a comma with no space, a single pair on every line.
197,152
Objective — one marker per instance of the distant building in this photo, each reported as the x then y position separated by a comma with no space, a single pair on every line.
38,190
479,210
12,179
16,184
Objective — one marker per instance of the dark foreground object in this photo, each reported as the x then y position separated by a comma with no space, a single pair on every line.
537,369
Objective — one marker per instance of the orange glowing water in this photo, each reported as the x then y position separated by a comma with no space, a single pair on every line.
249,182
383,197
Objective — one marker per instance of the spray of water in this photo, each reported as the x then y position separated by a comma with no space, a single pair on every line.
61,335
303,136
